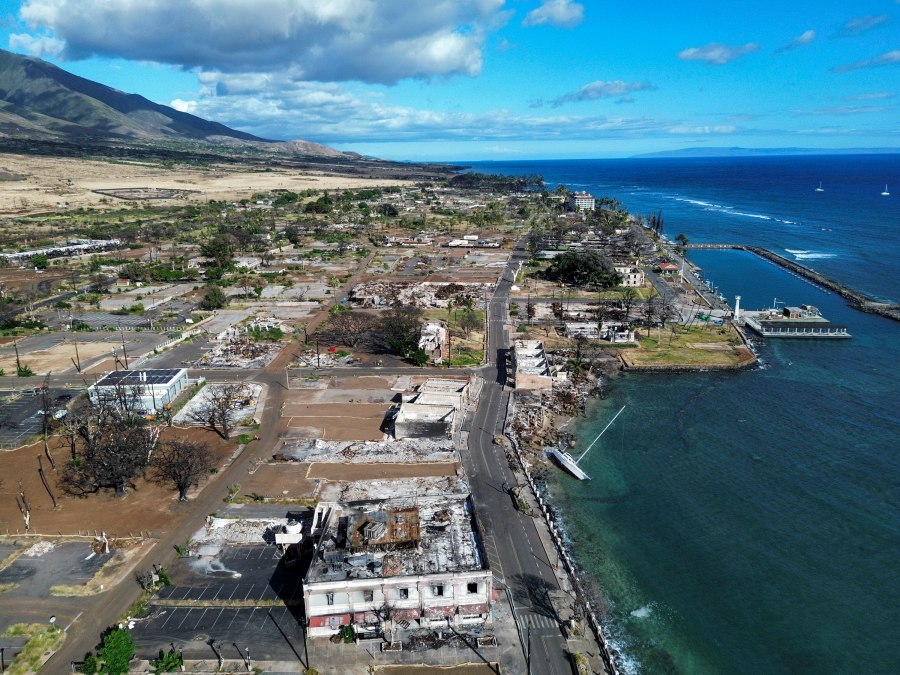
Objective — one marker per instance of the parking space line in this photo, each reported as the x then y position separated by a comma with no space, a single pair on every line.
168,618
248,592
237,586
201,618
186,593
202,592
217,592
216,620
185,618
250,617
232,619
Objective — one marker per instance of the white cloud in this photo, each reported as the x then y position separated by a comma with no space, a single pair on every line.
689,129
844,110
36,45
184,106
345,115
602,89
561,13
890,58
873,96
861,24
338,40
716,53
805,38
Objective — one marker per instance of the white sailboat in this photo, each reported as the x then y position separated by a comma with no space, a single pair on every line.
885,193
820,188
569,463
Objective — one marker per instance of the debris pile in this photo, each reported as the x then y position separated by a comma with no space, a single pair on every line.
349,452
237,351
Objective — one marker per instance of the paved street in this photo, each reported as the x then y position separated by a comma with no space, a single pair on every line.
515,551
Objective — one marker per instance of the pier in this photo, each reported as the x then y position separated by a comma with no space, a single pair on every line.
855,299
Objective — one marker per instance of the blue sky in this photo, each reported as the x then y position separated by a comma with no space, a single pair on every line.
494,79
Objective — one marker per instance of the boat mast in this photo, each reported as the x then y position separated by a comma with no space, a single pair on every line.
581,457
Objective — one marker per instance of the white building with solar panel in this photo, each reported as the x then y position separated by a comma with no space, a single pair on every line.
141,390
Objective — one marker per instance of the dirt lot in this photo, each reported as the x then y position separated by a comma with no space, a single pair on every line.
339,421
149,507
59,358
272,480
50,181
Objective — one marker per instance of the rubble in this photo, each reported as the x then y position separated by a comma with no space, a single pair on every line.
351,452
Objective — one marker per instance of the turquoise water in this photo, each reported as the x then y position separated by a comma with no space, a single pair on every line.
750,522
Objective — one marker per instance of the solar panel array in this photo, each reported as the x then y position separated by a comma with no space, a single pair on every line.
130,378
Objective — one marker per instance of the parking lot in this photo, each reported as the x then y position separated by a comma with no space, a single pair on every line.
245,595
19,414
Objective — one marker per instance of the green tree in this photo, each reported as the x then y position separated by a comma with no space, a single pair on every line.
214,298
468,321
116,652
40,261
220,248
583,268
292,234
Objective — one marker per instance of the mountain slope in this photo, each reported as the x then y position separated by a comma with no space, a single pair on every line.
39,100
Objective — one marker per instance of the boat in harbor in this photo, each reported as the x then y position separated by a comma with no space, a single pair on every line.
569,463
820,188
885,193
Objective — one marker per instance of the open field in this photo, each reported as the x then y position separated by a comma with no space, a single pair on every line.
339,421
51,181
149,507
694,347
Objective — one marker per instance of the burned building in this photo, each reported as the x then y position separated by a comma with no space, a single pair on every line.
380,566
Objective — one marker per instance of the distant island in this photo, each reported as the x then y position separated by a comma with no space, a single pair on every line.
764,152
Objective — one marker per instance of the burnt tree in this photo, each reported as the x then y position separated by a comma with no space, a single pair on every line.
182,463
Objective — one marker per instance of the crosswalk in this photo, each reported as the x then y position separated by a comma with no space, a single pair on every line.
539,621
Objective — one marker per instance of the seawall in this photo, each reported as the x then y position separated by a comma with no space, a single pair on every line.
855,299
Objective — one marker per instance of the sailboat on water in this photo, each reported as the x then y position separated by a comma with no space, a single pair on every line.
569,463
885,193
820,188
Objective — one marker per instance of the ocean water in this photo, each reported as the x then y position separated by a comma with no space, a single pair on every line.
750,522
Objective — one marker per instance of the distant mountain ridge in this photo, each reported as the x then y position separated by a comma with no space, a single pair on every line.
40,100
763,152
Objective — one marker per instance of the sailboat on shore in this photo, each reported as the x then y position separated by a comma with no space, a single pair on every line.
569,463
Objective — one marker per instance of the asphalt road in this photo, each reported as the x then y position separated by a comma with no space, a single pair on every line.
514,548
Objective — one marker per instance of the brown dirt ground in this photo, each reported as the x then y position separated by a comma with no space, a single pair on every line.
272,480
340,421
380,471
149,507
50,180
363,382
57,359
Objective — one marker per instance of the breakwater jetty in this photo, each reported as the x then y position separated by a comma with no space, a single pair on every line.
854,298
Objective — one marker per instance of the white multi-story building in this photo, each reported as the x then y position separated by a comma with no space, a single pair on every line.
631,276
581,201
381,566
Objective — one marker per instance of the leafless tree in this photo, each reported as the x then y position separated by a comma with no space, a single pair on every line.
183,463
24,506
350,328
627,299
648,312
216,412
